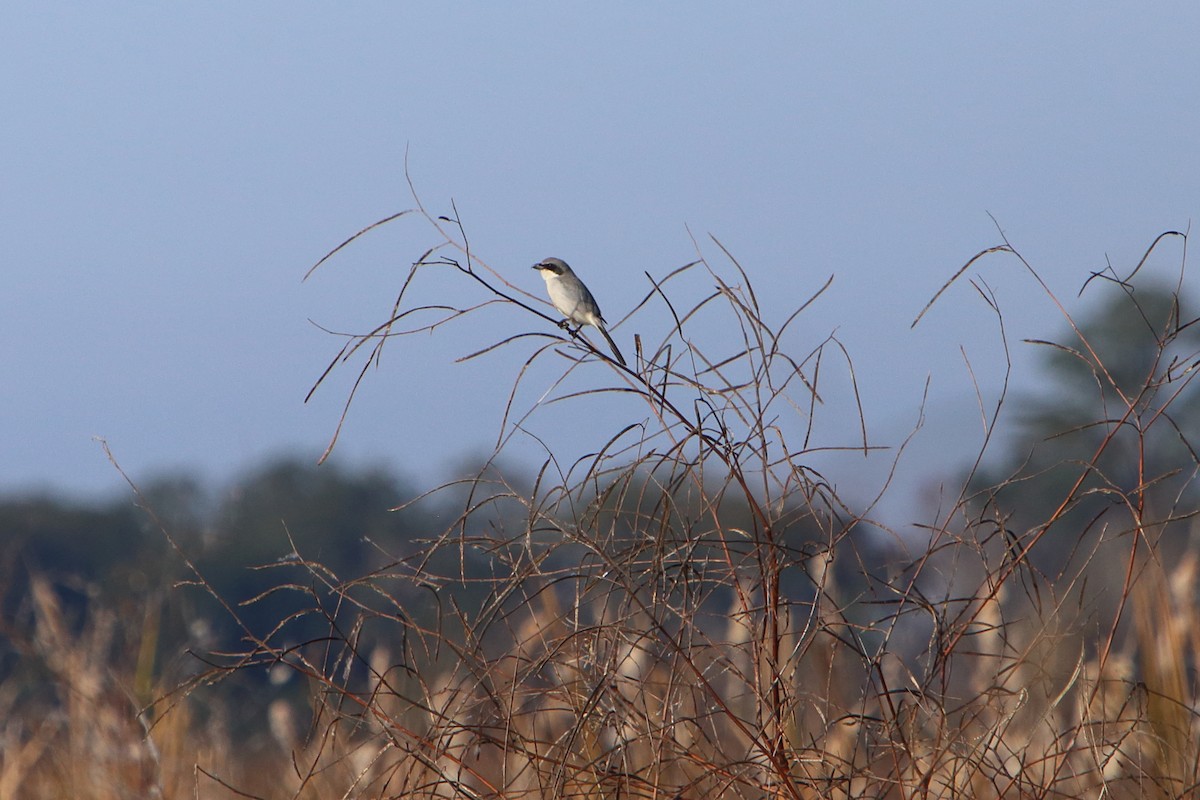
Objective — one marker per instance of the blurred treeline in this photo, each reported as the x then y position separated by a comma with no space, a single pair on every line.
195,567
140,557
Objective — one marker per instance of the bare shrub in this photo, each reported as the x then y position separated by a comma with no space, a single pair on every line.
689,610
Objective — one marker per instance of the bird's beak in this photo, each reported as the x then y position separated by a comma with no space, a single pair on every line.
537,266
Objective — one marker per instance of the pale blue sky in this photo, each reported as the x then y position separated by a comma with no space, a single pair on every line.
167,175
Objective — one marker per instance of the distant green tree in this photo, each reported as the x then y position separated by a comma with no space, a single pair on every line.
95,554
91,549
121,556
1115,426
283,514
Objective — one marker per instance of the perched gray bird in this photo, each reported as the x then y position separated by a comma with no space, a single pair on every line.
573,300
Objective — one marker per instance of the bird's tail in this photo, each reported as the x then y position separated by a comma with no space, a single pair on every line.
612,344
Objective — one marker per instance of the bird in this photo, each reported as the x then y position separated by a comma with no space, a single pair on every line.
573,300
